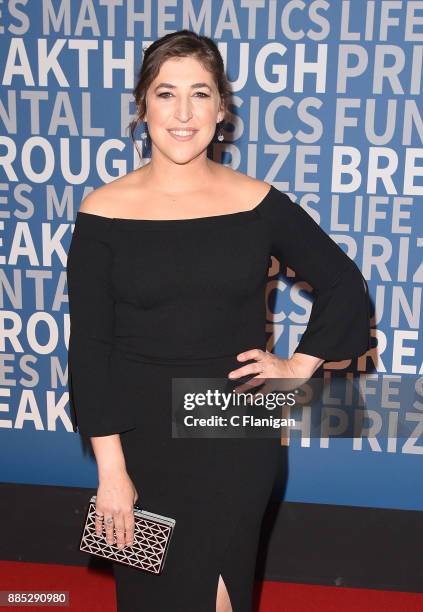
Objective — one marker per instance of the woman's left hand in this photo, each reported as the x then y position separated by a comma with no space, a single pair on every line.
296,370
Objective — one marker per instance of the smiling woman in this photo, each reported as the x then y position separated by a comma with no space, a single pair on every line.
182,102
157,295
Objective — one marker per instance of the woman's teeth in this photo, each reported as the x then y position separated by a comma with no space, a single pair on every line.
182,132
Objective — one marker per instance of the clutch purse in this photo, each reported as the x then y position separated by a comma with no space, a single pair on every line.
152,534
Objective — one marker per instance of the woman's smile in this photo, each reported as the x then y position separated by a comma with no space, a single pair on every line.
182,134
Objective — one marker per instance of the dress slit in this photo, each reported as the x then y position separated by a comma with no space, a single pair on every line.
227,590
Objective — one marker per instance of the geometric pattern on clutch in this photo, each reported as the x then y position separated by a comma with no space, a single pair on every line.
152,534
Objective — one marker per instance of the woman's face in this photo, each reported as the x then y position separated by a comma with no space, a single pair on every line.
184,97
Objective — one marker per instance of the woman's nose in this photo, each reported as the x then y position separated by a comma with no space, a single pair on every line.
183,109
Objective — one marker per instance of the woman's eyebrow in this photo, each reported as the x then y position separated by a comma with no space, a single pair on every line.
170,86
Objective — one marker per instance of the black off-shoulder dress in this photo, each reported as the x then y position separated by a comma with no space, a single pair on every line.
154,299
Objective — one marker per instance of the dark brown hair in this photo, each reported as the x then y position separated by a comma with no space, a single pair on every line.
183,43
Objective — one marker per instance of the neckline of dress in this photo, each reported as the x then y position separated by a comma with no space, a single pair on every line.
166,222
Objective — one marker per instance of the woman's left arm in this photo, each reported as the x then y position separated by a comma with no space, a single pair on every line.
339,322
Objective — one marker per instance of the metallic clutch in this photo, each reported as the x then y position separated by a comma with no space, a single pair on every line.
152,534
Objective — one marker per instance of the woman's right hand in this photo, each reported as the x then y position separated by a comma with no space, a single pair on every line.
116,496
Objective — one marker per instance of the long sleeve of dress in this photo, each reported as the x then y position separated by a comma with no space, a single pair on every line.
339,323
95,409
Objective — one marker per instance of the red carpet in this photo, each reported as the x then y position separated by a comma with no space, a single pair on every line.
94,591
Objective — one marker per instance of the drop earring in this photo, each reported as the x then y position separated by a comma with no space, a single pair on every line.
220,136
144,133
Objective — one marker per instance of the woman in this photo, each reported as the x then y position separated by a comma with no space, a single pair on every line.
167,271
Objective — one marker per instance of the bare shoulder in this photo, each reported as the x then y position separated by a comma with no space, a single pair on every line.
247,189
105,199
97,202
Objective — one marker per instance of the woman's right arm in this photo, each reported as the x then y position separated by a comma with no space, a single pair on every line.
95,412
116,492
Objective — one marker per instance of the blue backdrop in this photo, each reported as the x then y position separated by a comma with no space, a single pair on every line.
327,106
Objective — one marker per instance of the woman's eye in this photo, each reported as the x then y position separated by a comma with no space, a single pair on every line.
165,93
